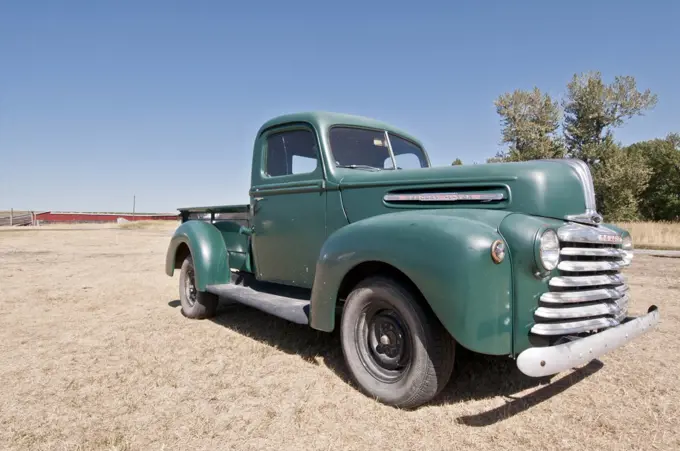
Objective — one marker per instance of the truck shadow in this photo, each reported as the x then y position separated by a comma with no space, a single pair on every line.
310,345
478,376
475,376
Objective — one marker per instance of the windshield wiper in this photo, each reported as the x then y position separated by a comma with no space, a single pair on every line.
358,166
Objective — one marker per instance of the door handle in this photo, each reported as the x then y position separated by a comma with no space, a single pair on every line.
256,203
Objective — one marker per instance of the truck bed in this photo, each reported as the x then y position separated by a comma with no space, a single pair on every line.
230,220
234,213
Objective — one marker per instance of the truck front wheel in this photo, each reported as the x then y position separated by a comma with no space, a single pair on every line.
396,351
195,304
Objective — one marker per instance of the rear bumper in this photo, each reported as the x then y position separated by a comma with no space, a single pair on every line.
544,361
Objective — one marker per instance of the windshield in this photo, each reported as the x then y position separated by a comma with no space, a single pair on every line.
363,148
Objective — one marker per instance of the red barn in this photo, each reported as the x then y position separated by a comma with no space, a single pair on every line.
49,217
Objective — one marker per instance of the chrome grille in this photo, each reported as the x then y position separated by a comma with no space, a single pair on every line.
589,292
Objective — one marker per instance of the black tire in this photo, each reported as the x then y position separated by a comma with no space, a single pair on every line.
195,304
397,351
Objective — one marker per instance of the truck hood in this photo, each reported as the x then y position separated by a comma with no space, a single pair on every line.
560,189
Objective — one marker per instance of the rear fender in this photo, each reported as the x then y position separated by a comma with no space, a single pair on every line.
208,251
447,257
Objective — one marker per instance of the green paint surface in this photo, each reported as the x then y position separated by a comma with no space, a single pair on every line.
312,229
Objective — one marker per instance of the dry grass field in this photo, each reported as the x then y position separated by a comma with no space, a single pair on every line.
95,354
654,235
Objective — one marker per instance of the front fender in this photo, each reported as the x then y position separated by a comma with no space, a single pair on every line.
446,254
208,251
530,281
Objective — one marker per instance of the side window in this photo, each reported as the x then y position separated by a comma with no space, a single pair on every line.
291,152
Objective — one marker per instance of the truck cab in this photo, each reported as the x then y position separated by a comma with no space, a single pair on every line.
350,228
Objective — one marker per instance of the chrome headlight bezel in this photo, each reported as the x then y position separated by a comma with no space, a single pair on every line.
548,250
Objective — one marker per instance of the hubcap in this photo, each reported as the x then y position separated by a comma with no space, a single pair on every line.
190,287
384,343
386,340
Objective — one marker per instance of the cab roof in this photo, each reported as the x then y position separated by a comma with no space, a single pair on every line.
322,120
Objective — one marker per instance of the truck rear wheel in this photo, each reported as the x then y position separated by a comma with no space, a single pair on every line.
396,351
195,304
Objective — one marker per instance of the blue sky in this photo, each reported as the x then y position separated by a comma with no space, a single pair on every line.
100,101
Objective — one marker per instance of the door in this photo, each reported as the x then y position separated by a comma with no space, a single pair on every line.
288,207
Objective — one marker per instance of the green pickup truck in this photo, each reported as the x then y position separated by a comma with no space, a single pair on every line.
350,227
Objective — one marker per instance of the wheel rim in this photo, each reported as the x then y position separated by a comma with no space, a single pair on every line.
190,291
384,342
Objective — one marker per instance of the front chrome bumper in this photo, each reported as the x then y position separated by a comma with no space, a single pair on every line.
544,361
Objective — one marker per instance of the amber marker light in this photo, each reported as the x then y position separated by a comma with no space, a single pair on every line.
498,251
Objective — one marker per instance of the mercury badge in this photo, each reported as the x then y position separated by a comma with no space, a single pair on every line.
442,197
610,239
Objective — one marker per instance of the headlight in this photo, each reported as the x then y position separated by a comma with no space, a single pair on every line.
549,250
627,247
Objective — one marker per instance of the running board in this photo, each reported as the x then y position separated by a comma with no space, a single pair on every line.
289,308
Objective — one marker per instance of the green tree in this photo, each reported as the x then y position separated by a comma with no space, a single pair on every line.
457,162
620,179
674,139
627,180
660,200
592,109
530,121
499,158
